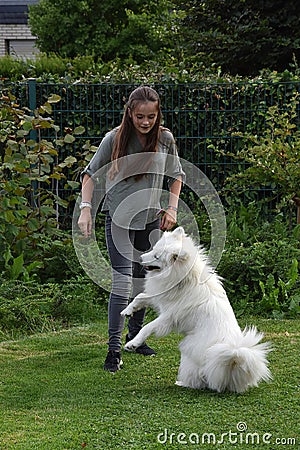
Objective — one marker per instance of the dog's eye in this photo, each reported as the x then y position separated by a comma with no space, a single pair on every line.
156,257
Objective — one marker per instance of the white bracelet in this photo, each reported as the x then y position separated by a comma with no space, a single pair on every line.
85,205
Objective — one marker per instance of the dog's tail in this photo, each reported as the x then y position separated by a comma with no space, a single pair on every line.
238,365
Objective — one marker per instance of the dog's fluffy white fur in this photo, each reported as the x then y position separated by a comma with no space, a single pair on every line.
189,298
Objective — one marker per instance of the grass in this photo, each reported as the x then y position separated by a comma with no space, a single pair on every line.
54,395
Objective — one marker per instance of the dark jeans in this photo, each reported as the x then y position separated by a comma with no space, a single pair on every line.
124,248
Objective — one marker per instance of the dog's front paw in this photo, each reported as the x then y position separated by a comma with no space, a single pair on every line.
130,346
128,311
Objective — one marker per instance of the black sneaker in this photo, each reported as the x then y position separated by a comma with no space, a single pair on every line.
113,361
143,349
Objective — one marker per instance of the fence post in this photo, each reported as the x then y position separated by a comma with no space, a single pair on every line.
32,93
32,101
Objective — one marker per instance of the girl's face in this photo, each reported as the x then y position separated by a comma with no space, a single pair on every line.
144,116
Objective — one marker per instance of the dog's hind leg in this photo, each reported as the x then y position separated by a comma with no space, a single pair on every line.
189,374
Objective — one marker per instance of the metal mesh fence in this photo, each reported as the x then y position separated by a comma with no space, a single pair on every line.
201,116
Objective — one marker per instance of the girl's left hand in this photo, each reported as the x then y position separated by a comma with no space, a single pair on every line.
168,220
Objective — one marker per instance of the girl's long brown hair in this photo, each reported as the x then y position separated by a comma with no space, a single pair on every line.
142,94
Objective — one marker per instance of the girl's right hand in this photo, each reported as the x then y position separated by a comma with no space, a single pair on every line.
85,222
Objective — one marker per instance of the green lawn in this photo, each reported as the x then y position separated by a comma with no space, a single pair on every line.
54,395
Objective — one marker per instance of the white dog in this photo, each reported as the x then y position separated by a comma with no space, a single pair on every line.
190,299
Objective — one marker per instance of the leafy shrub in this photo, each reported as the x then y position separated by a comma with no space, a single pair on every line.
60,262
29,307
273,158
31,171
260,264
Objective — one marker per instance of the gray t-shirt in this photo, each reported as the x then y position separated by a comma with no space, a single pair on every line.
132,196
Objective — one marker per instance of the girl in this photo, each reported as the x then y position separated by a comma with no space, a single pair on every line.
139,154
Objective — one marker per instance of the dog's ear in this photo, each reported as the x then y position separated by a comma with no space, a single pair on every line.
181,256
179,232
